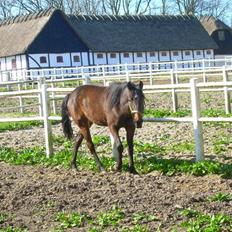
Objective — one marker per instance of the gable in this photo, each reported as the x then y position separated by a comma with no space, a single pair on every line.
57,37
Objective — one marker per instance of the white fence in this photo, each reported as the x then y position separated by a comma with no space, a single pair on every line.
222,74
193,87
113,71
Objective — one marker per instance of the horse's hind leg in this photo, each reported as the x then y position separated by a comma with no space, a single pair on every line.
78,142
86,133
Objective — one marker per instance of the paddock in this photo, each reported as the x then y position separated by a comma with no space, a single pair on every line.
43,194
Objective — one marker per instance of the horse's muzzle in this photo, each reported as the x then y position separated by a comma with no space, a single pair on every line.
138,119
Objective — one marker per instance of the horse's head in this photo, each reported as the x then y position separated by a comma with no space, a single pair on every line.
136,102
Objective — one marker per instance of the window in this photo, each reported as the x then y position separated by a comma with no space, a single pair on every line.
13,63
152,54
221,35
208,52
163,53
198,53
43,59
175,53
139,54
76,58
187,53
99,55
113,55
126,55
59,59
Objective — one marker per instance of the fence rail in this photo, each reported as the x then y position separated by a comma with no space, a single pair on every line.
194,87
116,70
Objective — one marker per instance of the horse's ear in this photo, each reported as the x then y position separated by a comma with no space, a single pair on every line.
141,85
130,85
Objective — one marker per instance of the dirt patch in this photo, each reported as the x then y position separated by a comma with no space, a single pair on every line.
32,196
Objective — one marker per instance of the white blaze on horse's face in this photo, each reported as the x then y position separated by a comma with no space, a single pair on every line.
136,102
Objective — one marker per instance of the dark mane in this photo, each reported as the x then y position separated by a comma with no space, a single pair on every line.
114,92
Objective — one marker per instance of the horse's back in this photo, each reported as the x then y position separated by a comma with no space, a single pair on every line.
88,102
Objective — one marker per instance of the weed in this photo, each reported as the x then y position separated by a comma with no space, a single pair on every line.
198,222
142,217
3,218
5,126
10,229
221,197
136,228
220,144
71,220
110,218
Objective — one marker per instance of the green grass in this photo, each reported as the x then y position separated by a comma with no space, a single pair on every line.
161,113
6,126
3,217
220,144
145,161
104,221
221,197
198,222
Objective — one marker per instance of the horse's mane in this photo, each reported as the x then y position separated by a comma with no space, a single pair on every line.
114,92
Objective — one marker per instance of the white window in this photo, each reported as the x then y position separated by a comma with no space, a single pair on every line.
198,53
152,54
43,59
208,52
221,35
76,58
139,54
99,55
13,64
112,55
175,53
126,55
187,53
163,53
59,59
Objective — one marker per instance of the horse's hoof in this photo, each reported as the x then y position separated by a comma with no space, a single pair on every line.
74,167
133,171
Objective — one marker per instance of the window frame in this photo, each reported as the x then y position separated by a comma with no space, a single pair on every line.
13,63
43,61
59,59
76,59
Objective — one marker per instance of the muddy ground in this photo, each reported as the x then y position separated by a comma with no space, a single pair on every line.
32,196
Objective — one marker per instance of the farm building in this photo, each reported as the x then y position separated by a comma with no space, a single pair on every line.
220,33
52,39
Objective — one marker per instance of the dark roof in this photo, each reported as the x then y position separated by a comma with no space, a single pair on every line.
100,33
141,33
212,24
16,34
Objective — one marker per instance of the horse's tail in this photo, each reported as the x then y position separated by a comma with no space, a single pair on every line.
66,122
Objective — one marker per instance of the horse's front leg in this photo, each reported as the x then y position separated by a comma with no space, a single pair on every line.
130,130
117,147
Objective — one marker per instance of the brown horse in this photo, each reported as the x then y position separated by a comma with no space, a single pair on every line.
116,106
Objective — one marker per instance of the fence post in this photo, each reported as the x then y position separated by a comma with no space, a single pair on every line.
21,108
197,125
150,73
47,123
40,83
226,92
174,94
53,97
